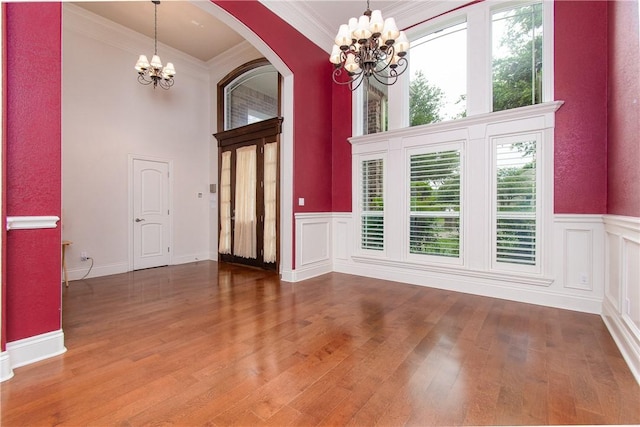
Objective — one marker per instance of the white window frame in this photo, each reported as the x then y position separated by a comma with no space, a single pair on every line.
358,204
424,258
541,194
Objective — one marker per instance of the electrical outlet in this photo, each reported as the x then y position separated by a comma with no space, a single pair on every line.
84,256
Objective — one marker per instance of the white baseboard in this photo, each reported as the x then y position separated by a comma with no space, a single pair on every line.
97,270
33,349
6,371
483,286
185,259
117,268
626,342
307,272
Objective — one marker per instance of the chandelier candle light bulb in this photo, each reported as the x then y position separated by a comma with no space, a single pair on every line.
369,47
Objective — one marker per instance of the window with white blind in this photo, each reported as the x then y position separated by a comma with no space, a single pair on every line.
434,218
372,204
516,203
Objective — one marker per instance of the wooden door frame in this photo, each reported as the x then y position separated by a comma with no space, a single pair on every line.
266,131
130,237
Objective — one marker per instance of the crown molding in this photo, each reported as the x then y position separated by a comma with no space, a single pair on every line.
304,18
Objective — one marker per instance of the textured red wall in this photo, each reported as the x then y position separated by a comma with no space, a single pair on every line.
341,130
312,101
3,179
581,123
33,166
623,184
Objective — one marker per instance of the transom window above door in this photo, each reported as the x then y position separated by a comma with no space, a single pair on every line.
251,96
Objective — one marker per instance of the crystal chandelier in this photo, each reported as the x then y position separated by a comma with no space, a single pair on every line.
153,72
369,47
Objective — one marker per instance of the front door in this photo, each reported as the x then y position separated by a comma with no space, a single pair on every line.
249,194
150,214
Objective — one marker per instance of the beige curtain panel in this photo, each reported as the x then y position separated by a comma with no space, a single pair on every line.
270,200
245,236
224,245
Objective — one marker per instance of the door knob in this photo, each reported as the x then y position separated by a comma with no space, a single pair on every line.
139,220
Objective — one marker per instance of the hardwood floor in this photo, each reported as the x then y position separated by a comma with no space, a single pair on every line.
215,344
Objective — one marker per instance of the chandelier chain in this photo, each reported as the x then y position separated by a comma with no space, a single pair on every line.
155,28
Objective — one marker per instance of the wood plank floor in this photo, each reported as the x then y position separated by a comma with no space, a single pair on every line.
214,344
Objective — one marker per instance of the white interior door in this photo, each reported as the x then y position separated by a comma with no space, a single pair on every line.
150,214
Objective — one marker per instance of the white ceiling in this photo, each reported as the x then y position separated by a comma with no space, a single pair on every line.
186,26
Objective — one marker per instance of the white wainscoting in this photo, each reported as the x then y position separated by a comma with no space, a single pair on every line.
576,282
621,307
325,242
31,350
578,259
313,246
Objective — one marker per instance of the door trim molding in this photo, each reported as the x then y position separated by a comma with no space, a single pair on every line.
130,213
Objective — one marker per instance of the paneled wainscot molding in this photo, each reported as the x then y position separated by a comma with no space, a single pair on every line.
313,245
621,306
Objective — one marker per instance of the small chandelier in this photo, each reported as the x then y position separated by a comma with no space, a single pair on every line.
369,47
153,72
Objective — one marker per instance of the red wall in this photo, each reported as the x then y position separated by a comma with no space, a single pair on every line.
33,166
3,179
341,130
312,136
581,123
623,184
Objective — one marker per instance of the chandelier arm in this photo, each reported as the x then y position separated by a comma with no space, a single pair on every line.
165,83
386,79
338,72
142,79
359,81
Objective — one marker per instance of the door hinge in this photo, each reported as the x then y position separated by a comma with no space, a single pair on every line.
167,211
168,249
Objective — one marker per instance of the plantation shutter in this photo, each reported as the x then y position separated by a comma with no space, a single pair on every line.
372,211
516,226
435,204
